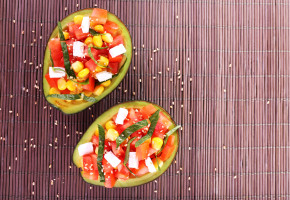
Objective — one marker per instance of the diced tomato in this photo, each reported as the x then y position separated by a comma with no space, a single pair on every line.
123,173
164,120
93,175
91,65
135,115
132,145
99,16
66,91
116,59
94,51
166,152
142,151
107,145
56,52
70,44
88,163
151,151
95,161
143,169
111,27
107,167
162,126
113,67
91,85
126,124
110,180
71,29
170,140
119,152
79,33
51,81
116,41
95,140
148,110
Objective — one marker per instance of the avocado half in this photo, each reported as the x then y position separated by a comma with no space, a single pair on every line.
77,106
102,119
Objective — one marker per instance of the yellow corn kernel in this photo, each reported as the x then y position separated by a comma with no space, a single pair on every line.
98,90
88,93
112,134
160,162
97,41
103,61
98,69
97,151
70,85
97,132
106,83
110,125
78,19
107,37
61,84
54,90
89,40
99,28
157,143
66,35
84,73
77,66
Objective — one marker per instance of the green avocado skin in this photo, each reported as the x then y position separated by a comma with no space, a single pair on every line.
102,119
75,107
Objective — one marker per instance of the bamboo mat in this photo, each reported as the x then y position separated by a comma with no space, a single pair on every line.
220,67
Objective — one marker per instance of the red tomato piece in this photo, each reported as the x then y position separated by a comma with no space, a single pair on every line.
69,44
93,175
113,67
95,140
66,91
162,126
116,41
151,151
88,163
95,162
110,180
71,29
132,145
91,65
107,167
143,169
148,110
111,27
116,59
99,16
51,81
170,141
56,52
123,173
91,85
119,152
79,33
135,115
94,51
142,151
166,152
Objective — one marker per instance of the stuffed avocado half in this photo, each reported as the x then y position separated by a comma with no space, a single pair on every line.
130,144
88,54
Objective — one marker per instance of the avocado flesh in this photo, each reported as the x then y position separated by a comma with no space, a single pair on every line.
77,106
102,119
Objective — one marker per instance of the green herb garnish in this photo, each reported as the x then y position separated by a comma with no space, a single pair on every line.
157,162
153,121
52,64
67,65
73,97
167,135
92,57
130,130
101,152
100,47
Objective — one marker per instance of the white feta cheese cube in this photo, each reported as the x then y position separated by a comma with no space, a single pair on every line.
112,159
133,160
78,49
56,72
117,50
149,164
86,148
85,24
103,76
121,116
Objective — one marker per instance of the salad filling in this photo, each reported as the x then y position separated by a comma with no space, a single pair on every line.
85,56
133,143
